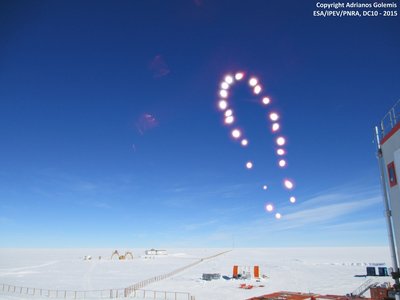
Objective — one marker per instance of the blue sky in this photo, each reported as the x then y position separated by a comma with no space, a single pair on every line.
110,134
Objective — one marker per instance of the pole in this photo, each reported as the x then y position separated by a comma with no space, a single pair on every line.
388,213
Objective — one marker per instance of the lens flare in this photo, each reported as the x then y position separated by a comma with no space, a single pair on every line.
257,89
280,152
244,142
229,79
288,184
223,93
275,127
249,165
266,100
236,133
228,113
269,207
239,76
282,163
224,85
229,120
222,104
278,216
253,81
292,199
265,187
274,116
280,141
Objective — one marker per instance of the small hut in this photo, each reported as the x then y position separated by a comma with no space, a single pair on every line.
156,252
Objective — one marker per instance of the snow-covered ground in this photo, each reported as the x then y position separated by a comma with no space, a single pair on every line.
317,270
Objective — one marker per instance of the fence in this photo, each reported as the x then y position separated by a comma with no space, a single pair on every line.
95,294
64,294
133,291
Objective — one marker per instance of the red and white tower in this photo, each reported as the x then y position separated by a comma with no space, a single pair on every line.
388,141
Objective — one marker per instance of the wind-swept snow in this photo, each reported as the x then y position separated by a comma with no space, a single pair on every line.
318,270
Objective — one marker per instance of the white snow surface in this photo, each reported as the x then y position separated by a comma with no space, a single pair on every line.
317,270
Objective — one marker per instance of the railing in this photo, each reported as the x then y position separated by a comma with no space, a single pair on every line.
364,287
149,294
390,119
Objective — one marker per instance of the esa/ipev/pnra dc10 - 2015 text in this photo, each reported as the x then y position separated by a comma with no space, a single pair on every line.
355,9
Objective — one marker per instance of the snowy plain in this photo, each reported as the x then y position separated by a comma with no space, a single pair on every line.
316,270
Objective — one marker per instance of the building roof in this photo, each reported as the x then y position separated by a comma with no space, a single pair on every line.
282,295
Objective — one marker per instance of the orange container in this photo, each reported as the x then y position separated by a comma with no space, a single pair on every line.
235,271
256,272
